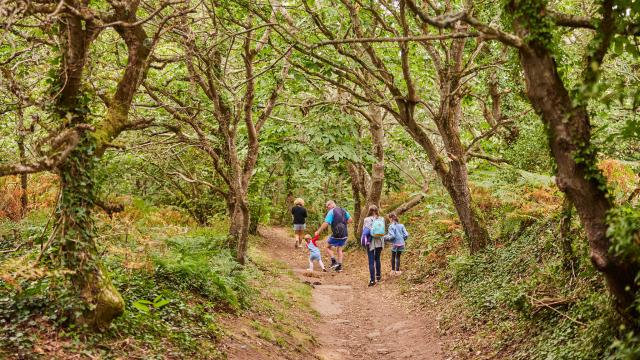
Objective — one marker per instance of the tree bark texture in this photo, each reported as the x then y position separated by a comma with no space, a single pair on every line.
75,238
74,231
357,202
374,182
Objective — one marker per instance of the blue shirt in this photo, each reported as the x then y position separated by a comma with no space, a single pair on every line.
329,218
398,234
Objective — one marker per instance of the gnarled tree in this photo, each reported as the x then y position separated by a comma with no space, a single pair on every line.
566,117
223,111
76,136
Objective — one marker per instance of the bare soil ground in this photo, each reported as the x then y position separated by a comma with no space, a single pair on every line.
357,321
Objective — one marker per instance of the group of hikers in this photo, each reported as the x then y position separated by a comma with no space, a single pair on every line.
373,237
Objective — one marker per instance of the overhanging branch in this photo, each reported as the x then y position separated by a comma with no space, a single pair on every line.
401,39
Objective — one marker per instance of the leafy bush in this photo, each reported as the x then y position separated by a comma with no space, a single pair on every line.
200,263
530,151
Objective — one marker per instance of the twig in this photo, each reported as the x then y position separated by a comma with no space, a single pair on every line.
14,250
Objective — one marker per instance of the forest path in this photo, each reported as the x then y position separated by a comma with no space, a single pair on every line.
357,321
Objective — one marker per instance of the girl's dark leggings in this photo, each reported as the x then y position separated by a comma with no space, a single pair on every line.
395,260
375,272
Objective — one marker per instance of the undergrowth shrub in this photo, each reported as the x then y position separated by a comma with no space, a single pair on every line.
531,151
512,283
174,286
624,225
200,263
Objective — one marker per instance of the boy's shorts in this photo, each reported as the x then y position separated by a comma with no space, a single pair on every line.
314,257
336,242
397,248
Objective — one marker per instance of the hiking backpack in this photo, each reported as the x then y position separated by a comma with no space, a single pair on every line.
339,224
377,227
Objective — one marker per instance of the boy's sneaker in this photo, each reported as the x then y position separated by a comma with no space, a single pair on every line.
334,263
324,269
338,268
371,283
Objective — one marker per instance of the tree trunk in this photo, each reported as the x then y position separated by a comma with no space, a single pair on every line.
371,185
22,153
76,238
453,176
377,169
456,185
235,223
448,123
357,204
243,231
578,176
24,200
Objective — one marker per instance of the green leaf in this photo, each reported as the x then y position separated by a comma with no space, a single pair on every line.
161,303
138,305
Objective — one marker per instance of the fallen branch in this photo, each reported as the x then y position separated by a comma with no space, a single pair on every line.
16,237
411,203
109,208
540,303
490,159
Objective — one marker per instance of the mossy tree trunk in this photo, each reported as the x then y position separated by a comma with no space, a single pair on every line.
75,235
74,245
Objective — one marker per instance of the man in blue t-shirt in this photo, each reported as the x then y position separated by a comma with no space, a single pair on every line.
338,219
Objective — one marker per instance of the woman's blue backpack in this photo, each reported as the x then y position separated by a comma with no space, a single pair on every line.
377,227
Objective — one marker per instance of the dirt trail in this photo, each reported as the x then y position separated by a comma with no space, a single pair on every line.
357,321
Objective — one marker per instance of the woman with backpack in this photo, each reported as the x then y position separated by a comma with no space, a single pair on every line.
373,229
